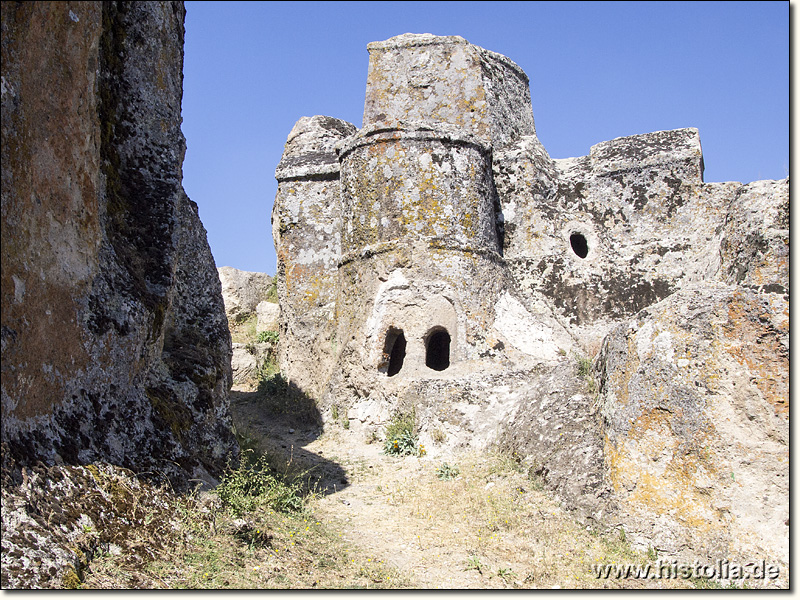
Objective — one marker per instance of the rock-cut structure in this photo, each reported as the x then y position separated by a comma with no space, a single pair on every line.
438,259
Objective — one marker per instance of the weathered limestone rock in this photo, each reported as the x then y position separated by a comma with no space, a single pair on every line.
695,402
440,260
248,359
242,291
114,338
115,343
57,518
611,233
268,314
424,78
305,220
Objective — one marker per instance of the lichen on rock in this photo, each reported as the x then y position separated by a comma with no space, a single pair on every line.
115,343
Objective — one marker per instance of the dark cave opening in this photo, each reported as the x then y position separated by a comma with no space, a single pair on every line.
437,350
579,244
396,343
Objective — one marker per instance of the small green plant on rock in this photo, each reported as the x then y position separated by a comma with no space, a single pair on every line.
272,291
267,336
446,472
401,438
584,367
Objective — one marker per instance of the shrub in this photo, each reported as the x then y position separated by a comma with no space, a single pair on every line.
253,485
584,366
267,336
401,438
446,472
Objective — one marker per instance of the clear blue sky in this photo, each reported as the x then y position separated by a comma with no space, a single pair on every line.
598,70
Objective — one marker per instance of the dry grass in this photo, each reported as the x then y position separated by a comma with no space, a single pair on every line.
493,520
392,523
211,549
245,331
488,527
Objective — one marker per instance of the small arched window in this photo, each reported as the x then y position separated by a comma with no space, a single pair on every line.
395,350
437,350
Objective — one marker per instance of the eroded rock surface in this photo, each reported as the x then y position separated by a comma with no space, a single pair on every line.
439,260
695,405
114,337
242,291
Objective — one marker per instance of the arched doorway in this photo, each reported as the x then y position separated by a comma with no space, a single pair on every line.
437,349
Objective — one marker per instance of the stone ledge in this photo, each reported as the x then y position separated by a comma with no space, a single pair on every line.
410,131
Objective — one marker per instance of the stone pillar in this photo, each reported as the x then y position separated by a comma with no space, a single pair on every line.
407,185
421,253
420,247
305,228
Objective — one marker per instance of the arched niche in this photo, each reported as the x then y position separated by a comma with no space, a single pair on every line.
394,349
437,349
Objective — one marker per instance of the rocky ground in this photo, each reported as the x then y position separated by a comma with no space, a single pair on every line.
445,519
489,526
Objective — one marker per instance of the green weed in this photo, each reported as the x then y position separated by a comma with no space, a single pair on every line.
473,562
272,291
253,485
401,436
404,444
446,472
584,366
268,336
507,574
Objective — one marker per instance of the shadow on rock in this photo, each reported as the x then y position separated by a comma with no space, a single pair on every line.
280,420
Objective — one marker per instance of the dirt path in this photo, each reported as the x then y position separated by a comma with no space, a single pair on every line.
367,496
376,512
490,527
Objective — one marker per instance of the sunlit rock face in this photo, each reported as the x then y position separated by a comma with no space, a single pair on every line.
695,410
242,291
438,259
114,337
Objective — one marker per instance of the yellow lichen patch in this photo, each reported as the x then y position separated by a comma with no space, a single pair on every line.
71,581
308,285
619,378
655,472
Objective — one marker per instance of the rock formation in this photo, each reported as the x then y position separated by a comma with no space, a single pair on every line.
114,337
245,294
242,291
439,259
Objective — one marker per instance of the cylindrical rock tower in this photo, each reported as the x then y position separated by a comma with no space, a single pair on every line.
421,266
420,249
306,223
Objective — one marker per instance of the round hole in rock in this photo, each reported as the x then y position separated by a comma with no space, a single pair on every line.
395,347
579,244
437,350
